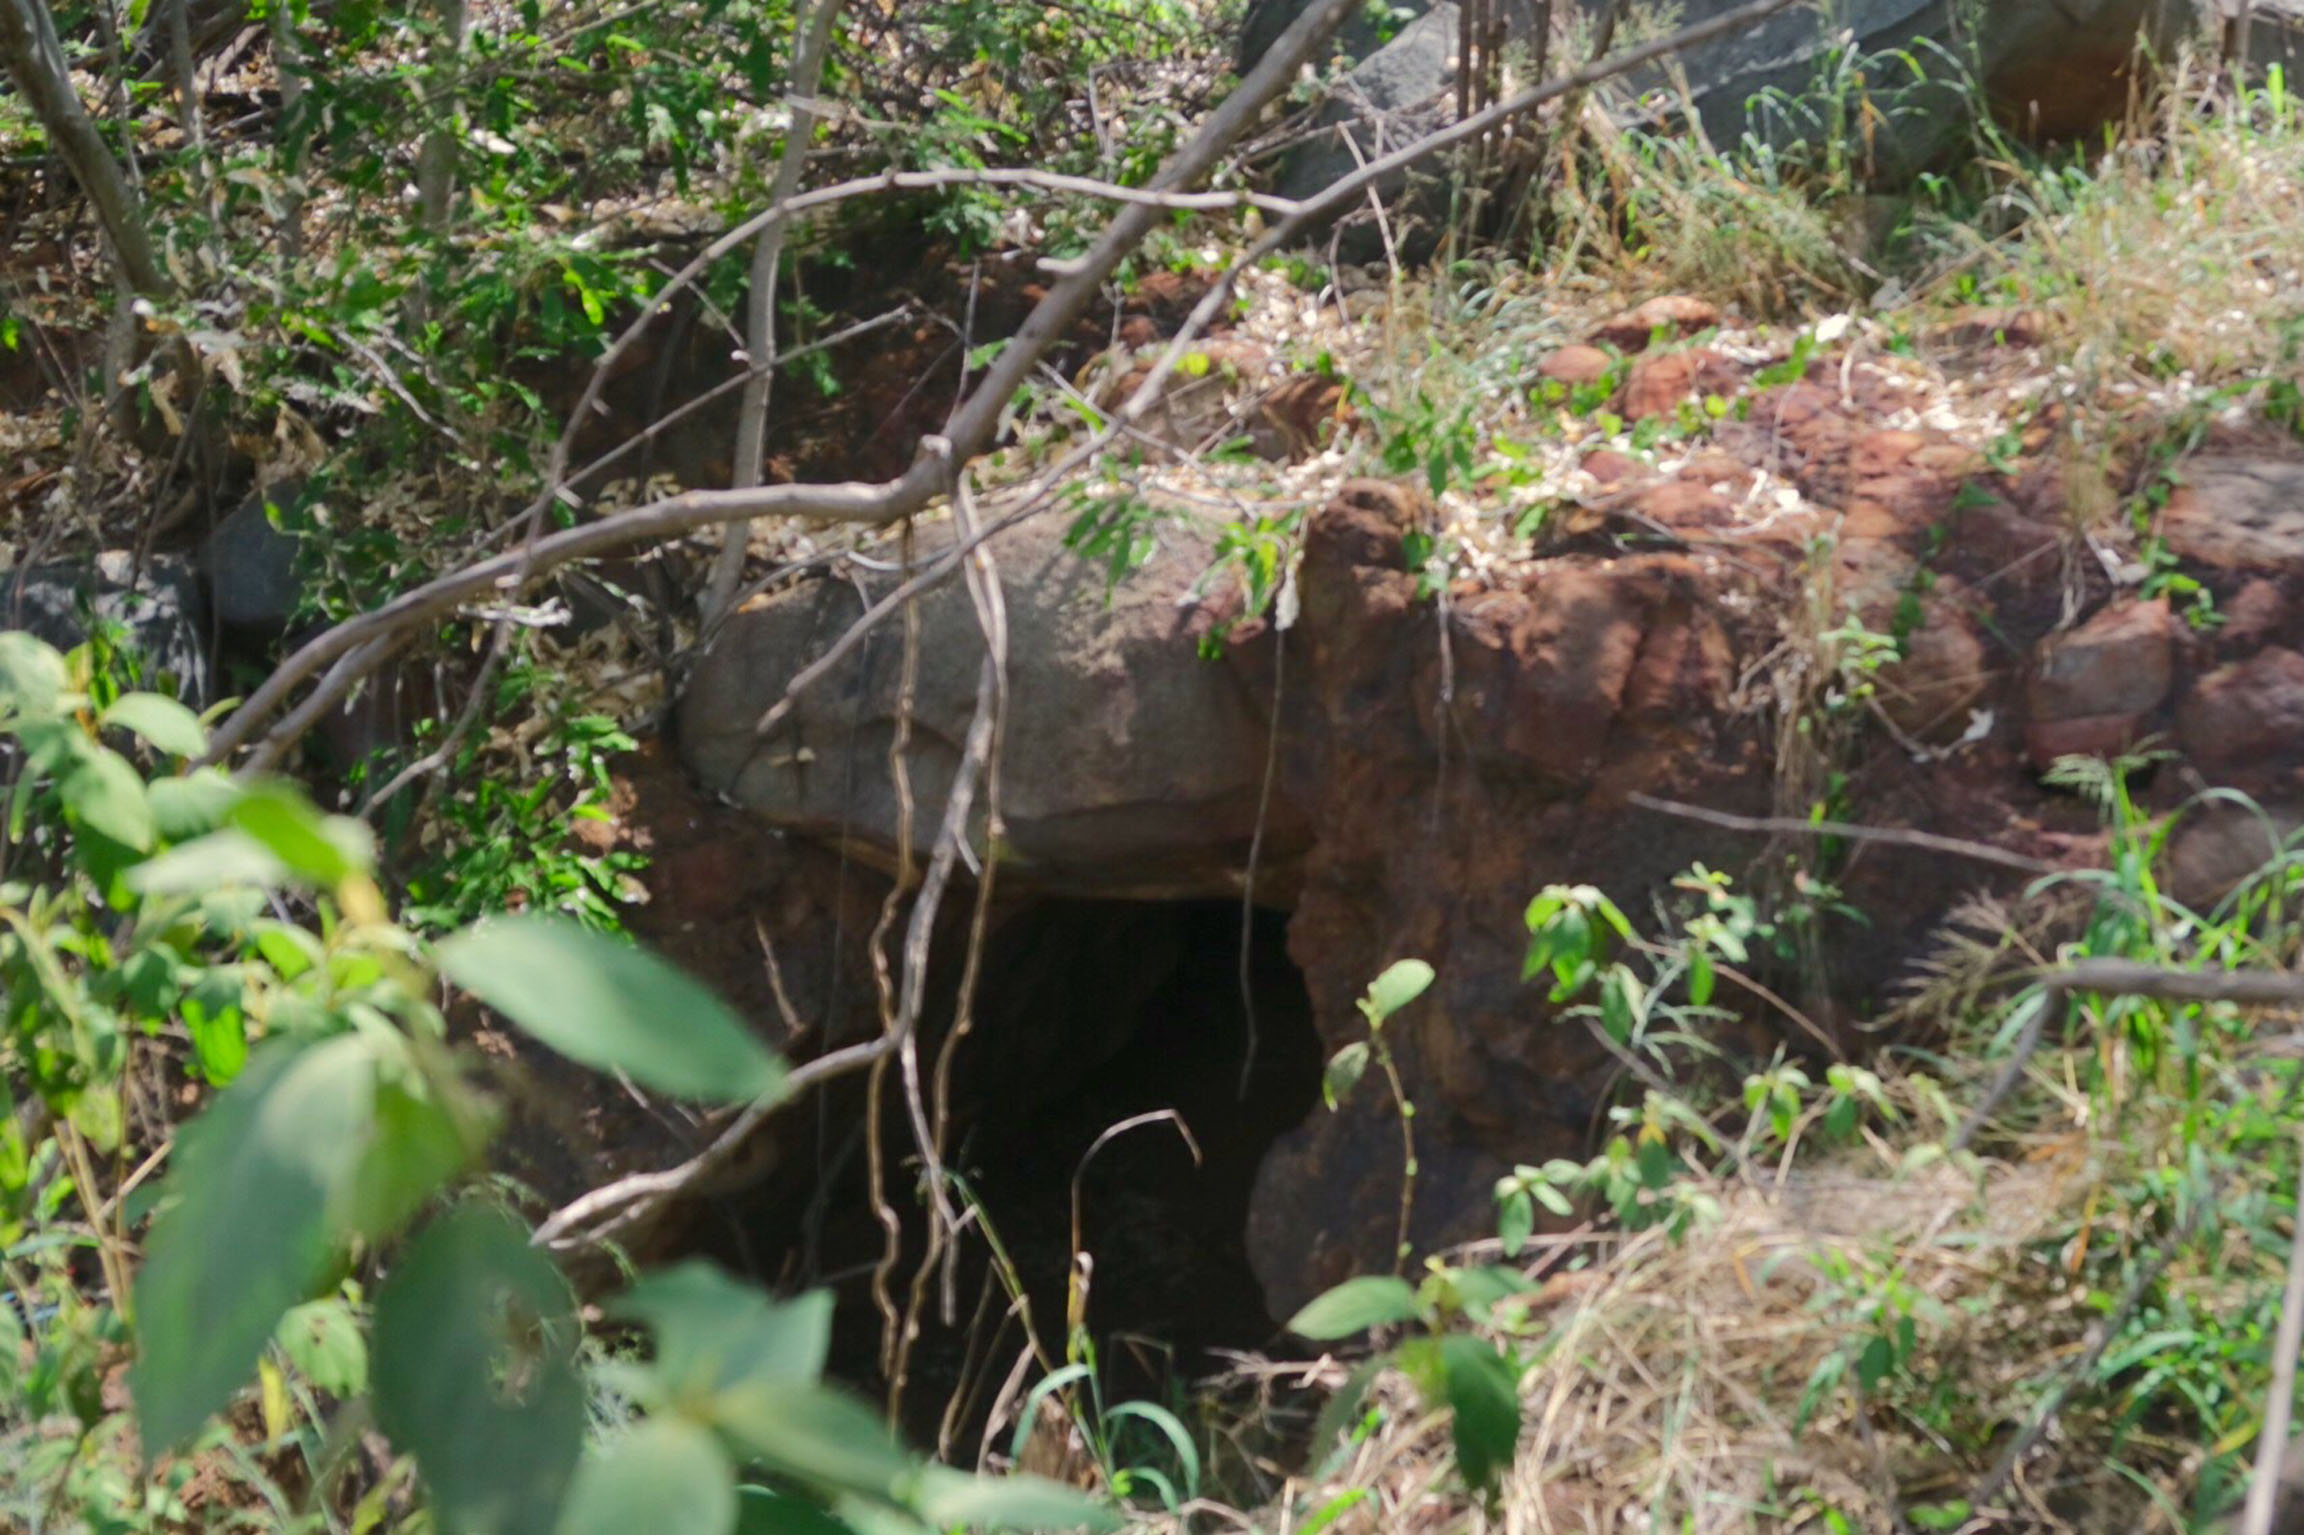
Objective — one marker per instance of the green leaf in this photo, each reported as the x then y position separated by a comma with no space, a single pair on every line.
416,1148
221,858
32,676
322,850
249,1233
219,1037
1170,1428
1398,986
612,1007
1516,1221
160,720
1345,1068
1373,1300
665,1474
1700,975
193,805
475,1374
824,1438
713,1333
105,794
324,1343
1019,1502
1485,1396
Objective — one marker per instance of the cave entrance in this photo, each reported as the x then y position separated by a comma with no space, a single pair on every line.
1088,1014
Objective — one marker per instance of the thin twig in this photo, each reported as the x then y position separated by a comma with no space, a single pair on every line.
1894,836
2272,1438
2122,978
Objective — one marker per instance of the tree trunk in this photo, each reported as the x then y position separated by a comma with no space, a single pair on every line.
34,59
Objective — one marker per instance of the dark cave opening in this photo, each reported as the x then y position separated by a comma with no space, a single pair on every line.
1087,1014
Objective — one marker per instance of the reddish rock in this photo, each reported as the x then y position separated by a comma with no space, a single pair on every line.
2216,846
2258,609
1678,312
1296,416
2247,715
1943,676
1576,365
2092,687
1882,452
1717,469
2239,512
1683,505
2121,661
1610,467
1659,383
2098,735
1999,327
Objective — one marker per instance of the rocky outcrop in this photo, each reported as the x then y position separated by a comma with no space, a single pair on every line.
1435,762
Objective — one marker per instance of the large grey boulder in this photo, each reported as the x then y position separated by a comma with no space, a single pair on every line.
155,604
1130,767
250,562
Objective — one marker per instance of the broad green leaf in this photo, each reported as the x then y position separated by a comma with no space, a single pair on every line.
1700,974
248,1236
323,1342
227,857
1485,1396
474,1374
1398,986
193,805
826,1439
1373,1300
104,793
1019,1502
32,675
1515,1220
160,720
415,1149
611,1006
219,1033
713,1333
1345,1069
322,850
665,1474
1480,1287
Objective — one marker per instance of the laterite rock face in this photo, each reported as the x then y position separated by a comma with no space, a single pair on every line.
1437,760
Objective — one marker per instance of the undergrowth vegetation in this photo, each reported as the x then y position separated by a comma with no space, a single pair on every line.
2012,1256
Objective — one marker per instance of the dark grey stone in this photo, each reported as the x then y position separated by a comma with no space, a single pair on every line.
162,613
251,565
1130,767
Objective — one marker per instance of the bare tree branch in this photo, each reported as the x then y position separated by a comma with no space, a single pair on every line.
814,31
932,474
